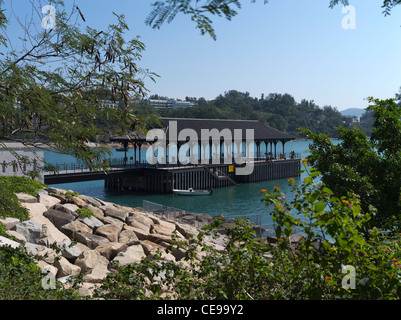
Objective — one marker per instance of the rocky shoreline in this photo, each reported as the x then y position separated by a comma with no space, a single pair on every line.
92,235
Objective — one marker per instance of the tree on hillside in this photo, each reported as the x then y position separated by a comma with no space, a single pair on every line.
398,97
51,80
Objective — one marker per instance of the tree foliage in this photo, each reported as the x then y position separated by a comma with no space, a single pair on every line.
54,83
368,167
202,11
279,111
332,233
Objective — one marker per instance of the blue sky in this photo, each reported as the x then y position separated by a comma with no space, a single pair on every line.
287,46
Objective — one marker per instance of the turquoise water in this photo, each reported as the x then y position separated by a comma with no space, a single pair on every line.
238,200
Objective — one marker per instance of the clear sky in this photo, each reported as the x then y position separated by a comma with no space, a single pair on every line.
286,46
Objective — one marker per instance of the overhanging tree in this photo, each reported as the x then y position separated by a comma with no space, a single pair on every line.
202,11
53,82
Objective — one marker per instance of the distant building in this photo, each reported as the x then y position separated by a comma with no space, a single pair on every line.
351,119
10,165
169,104
108,103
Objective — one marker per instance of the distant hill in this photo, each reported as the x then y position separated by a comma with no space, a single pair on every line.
353,112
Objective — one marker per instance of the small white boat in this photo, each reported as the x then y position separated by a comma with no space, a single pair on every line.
192,192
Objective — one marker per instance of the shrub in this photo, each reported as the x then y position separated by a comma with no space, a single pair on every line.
338,256
21,279
84,213
9,204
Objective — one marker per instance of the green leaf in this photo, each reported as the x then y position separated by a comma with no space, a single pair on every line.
327,190
319,206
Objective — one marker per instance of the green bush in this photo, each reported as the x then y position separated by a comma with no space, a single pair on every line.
338,256
9,204
21,279
84,213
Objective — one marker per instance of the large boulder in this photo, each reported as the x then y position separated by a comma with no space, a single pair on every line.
46,237
164,228
90,200
115,212
71,229
110,249
88,260
111,220
132,254
66,268
140,233
78,201
186,230
141,218
98,213
97,274
47,200
9,223
17,236
8,242
68,250
36,211
71,206
109,231
132,222
26,198
47,268
42,252
90,240
60,215
158,238
91,222
30,229
128,237
149,246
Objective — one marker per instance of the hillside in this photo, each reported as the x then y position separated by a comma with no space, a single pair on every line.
353,112
279,111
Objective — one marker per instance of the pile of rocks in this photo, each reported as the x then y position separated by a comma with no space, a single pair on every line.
112,234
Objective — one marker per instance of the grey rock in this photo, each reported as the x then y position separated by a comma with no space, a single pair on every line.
69,251
111,249
60,216
116,213
109,231
30,229
74,227
91,222
90,240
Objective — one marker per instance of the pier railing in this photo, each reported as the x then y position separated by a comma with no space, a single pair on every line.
76,167
179,215
199,220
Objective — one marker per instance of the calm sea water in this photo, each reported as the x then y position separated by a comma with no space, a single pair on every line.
237,200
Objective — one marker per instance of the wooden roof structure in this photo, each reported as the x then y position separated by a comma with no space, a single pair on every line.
260,130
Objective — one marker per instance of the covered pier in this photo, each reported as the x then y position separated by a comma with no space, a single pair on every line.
203,153
207,141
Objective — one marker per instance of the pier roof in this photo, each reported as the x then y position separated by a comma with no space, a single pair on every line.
261,131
